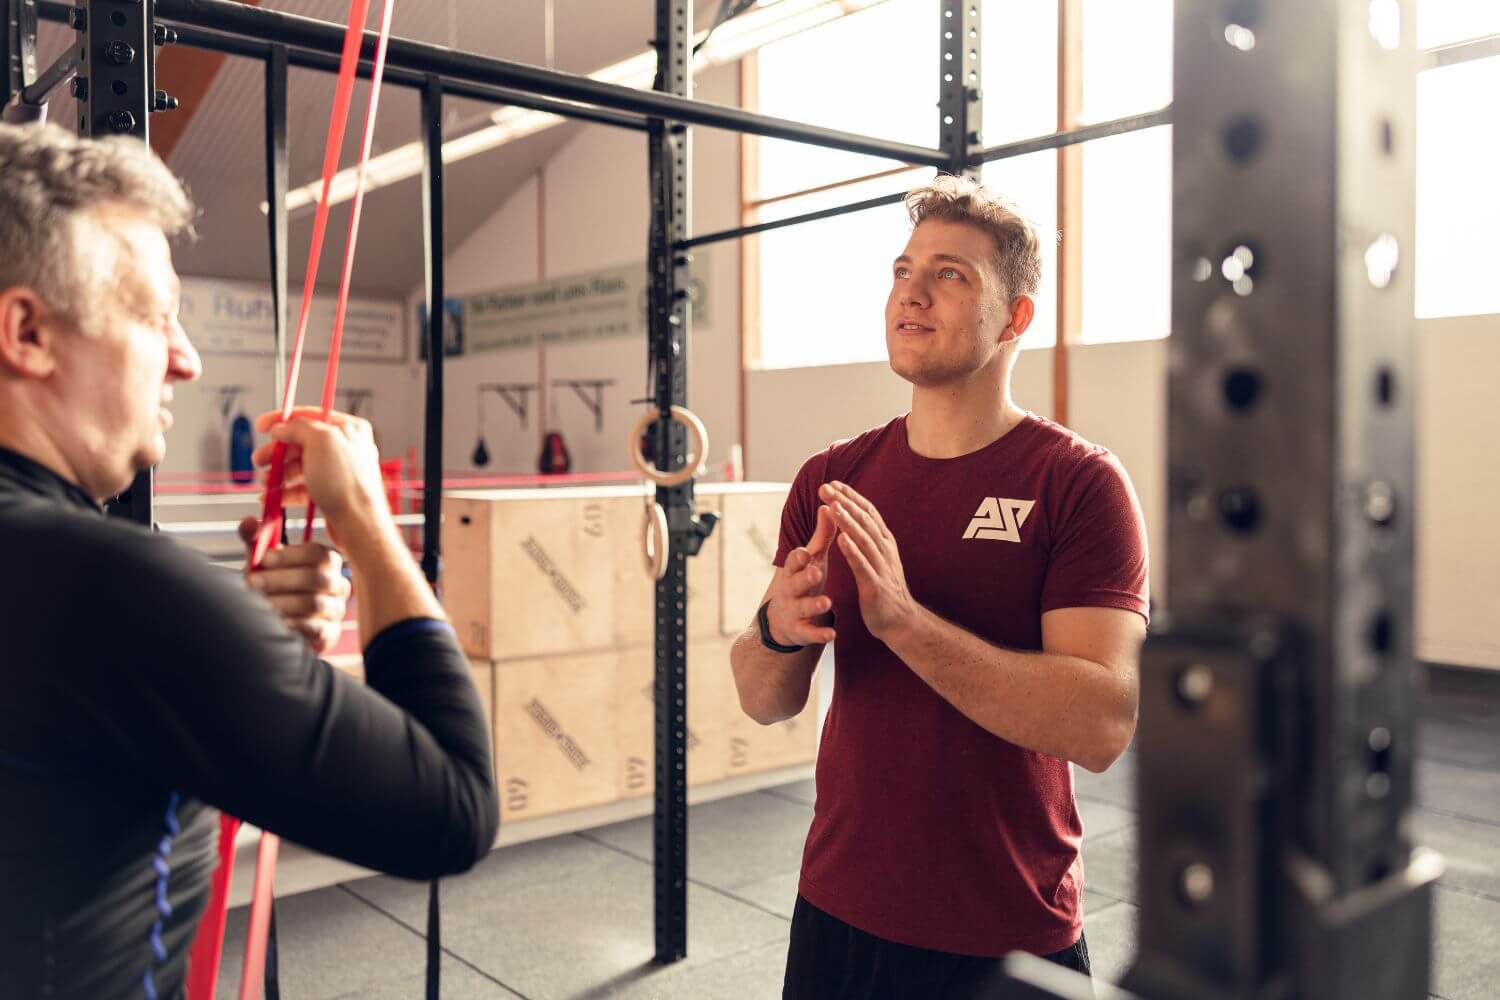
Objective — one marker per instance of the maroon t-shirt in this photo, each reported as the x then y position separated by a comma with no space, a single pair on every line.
929,830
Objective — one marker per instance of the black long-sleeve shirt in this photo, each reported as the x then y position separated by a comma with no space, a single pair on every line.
141,690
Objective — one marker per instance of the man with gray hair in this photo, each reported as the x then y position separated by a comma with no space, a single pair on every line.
982,573
144,689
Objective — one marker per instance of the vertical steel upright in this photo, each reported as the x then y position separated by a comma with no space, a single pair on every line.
669,163
277,182
433,241
960,107
115,97
1284,858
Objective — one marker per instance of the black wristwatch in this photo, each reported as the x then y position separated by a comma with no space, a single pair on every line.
765,633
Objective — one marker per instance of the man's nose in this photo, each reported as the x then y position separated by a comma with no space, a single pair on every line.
183,363
915,293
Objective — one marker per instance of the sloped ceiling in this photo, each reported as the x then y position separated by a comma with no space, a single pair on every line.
221,152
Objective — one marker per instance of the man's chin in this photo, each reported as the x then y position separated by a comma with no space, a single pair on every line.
915,374
149,456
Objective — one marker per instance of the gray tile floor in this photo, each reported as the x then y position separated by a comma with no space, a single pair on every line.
571,916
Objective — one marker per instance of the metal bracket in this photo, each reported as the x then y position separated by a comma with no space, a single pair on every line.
591,391
355,399
228,396
517,395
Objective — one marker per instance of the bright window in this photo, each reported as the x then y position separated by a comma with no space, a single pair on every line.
1443,22
1030,182
1458,196
1127,237
1019,64
1127,58
824,284
843,75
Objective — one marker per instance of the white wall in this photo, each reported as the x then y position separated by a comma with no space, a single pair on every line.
793,412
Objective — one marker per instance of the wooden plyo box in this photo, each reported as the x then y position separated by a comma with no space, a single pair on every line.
531,573
750,523
751,747
709,685
556,745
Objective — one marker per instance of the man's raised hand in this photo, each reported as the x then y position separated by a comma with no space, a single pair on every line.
798,610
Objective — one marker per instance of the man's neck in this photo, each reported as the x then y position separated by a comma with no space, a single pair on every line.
27,440
952,420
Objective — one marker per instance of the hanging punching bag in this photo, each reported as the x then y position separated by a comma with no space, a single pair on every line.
241,446
555,458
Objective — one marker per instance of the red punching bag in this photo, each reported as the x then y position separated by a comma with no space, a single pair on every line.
555,458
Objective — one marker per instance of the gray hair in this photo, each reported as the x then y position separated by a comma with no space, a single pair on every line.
1018,252
49,180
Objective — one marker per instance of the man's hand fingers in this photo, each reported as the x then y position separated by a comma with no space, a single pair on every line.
868,511
804,582
805,633
823,534
300,580
796,559
811,607
301,606
321,634
306,554
261,456
864,570
861,536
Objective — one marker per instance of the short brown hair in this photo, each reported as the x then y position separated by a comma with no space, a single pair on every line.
1018,256
49,179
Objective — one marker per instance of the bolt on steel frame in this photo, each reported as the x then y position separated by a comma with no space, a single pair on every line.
1268,869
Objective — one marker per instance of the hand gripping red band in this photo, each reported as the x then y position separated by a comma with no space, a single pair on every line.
203,964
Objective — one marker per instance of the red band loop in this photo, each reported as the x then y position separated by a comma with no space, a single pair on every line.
203,967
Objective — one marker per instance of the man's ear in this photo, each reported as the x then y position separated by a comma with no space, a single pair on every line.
26,335
1022,311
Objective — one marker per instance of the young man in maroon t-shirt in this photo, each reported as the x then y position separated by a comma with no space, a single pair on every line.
982,574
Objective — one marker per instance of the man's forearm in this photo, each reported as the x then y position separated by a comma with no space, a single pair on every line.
1063,706
388,586
772,686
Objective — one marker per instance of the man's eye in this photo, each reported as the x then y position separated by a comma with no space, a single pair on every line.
901,272
949,272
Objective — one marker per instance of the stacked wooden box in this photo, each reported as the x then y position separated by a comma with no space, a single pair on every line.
548,592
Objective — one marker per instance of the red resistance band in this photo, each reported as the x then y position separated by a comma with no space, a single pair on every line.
203,961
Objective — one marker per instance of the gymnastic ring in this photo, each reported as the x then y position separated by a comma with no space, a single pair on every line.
697,456
654,541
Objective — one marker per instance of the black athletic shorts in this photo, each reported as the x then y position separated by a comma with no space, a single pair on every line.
830,960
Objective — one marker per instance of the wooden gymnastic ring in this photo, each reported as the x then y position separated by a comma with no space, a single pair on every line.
655,545
697,447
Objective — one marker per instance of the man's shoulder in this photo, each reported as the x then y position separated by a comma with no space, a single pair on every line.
82,546
848,452
1067,454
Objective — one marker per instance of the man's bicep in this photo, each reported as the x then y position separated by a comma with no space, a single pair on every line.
1111,637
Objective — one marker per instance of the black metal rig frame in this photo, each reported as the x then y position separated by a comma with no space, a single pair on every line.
1280,863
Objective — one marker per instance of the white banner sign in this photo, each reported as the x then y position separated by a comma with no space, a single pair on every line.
235,317
599,304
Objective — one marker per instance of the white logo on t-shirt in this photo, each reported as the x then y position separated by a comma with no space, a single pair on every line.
1000,519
